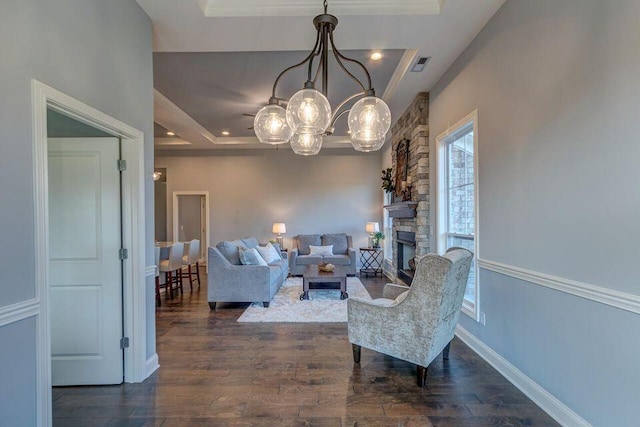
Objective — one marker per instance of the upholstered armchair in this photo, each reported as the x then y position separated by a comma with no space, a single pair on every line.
419,323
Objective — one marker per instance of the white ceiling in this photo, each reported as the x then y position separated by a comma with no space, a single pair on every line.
182,26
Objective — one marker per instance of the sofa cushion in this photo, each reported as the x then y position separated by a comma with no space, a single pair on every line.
230,250
269,253
308,259
251,257
304,240
339,242
321,250
250,242
337,259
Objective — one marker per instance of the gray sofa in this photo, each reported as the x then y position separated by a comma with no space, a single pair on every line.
230,281
343,252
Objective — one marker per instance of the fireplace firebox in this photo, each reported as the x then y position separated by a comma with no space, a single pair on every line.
406,251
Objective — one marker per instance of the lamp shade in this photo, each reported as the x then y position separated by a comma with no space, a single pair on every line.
372,227
279,228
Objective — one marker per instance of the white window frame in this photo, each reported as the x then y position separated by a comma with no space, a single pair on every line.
387,229
453,132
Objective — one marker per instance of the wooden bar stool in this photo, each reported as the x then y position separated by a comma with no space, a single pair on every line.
192,258
171,268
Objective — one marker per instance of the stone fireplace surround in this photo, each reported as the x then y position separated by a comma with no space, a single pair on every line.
414,126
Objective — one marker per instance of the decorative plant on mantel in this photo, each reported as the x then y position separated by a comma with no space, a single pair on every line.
387,181
377,236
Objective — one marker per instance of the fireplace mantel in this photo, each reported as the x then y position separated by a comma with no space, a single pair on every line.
402,209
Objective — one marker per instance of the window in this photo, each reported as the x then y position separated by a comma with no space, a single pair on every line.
457,198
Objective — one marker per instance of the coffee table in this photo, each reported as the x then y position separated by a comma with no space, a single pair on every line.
312,274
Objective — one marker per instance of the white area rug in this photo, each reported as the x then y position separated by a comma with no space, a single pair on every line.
322,306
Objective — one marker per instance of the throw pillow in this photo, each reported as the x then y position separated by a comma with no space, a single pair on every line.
230,250
304,240
321,250
269,253
251,257
339,242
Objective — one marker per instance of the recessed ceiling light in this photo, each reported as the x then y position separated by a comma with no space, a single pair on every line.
376,56
171,133
225,133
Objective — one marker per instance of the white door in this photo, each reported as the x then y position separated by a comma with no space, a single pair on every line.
85,271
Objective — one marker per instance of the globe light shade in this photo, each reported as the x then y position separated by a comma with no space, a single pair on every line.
369,122
306,144
367,145
308,112
270,125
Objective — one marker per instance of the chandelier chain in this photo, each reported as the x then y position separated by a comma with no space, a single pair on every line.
326,5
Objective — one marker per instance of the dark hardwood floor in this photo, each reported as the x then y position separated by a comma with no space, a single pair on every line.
217,372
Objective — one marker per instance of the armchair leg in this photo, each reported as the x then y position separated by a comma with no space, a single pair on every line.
355,348
265,304
422,376
445,352
212,305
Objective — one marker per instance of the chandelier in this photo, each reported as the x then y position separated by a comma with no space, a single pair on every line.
308,117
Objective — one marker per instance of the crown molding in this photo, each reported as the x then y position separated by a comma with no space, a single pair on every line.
247,8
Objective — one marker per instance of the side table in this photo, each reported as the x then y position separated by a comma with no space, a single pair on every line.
371,260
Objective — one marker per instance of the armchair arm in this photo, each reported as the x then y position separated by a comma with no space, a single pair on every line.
392,290
229,282
352,257
293,255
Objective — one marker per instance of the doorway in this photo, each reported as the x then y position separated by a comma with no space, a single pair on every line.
191,218
137,366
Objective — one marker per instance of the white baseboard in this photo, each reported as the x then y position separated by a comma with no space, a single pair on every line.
541,397
152,365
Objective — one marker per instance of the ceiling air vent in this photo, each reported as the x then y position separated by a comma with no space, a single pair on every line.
419,65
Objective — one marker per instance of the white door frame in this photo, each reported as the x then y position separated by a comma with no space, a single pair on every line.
175,208
133,232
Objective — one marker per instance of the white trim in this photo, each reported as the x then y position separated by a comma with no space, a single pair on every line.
398,74
234,8
172,117
152,365
541,397
133,184
150,271
19,311
617,299
441,218
175,208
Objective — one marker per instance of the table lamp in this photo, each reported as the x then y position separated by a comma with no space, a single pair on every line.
279,228
371,227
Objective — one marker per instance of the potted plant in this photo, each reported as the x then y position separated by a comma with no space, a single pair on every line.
387,181
377,236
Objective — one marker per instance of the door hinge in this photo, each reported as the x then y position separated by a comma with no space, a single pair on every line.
123,254
124,343
122,165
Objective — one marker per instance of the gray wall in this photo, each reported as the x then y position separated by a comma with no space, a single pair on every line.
557,91
100,53
335,191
